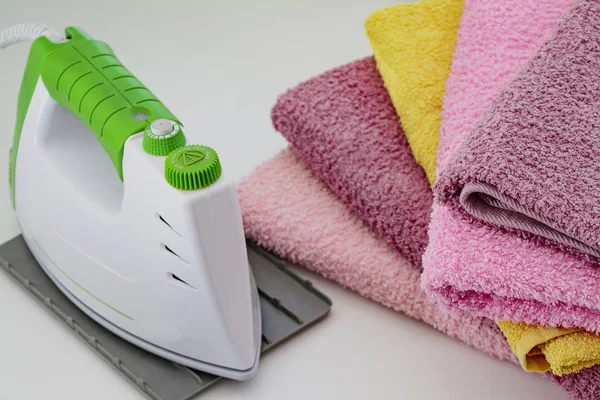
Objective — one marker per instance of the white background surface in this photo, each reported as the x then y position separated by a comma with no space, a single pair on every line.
219,65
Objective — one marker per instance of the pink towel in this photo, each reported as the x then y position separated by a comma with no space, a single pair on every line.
468,264
345,127
583,385
531,163
289,210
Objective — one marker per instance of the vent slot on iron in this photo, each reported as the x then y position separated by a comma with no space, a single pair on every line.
164,221
179,280
168,249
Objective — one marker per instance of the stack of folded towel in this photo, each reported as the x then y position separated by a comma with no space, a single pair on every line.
463,157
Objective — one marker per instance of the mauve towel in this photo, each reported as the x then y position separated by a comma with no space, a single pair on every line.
345,127
531,163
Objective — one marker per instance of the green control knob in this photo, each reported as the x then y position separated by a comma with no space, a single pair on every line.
162,137
192,167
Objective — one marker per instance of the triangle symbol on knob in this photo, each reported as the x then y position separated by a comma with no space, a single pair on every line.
192,157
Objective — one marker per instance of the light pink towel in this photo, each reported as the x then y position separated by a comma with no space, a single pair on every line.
290,211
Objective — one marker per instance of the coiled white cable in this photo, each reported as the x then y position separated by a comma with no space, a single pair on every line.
28,32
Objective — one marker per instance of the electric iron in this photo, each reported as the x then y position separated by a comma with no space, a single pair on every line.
139,229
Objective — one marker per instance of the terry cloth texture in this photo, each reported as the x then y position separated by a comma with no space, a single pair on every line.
413,46
473,266
539,141
282,211
288,210
531,163
344,126
327,119
456,242
584,385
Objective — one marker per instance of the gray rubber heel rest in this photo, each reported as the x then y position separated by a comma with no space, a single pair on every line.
288,304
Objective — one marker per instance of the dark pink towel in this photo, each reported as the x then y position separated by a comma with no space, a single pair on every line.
345,127
532,162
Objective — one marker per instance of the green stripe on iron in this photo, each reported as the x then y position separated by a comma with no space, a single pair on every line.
77,283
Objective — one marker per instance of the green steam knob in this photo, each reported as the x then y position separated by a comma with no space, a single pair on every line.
162,137
192,167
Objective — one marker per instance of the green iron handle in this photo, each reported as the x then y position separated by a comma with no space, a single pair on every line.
86,77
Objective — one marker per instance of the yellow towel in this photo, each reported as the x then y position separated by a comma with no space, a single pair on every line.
413,46
543,348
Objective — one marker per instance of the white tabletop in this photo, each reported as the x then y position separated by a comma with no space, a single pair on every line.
219,65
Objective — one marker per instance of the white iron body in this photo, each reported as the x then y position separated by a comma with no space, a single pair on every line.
121,249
